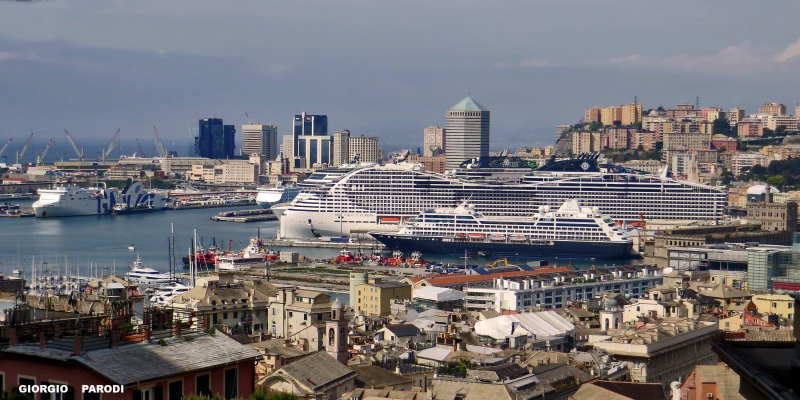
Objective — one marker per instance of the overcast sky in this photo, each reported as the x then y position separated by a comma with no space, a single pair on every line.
384,68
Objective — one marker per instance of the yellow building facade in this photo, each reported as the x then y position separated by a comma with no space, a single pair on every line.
376,296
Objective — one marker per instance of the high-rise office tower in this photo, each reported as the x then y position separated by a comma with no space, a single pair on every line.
466,133
433,141
215,140
261,140
341,148
365,148
287,146
308,125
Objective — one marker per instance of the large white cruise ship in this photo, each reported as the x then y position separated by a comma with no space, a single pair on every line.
68,201
372,198
269,196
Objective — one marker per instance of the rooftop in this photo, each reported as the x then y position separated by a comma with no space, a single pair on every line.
316,370
467,105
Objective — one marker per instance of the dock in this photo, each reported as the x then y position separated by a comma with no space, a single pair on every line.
325,244
178,206
245,216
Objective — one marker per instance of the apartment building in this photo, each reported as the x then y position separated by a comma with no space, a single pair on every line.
376,296
609,115
772,109
616,138
735,115
631,114
789,122
750,128
746,159
524,293
586,141
592,114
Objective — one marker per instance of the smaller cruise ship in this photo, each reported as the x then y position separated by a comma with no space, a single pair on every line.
269,196
571,231
146,276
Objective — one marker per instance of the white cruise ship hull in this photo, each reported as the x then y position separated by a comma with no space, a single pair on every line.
70,201
267,197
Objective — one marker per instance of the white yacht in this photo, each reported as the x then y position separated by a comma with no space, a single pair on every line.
146,276
164,294
338,201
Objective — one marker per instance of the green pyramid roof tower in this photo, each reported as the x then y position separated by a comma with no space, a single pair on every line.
468,105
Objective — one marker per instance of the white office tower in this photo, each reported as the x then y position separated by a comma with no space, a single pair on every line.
260,140
466,133
365,148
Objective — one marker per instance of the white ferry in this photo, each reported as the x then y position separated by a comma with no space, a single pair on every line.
68,201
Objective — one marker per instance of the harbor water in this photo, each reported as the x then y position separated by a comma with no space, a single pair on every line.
102,242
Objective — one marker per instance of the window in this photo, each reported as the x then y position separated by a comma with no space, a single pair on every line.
175,390
214,318
91,396
791,305
305,317
774,305
224,315
153,393
203,385
231,383
319,317
273,312
235,314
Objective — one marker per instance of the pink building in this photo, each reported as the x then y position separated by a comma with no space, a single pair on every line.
748,128
616,138
719,141
645,139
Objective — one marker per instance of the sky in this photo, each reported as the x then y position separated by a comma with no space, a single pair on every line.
377,68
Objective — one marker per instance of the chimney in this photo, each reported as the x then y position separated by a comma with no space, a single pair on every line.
77,345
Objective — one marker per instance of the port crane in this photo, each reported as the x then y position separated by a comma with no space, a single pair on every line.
78,151
5,146
141,153
24,148
107,152
160,147
41,156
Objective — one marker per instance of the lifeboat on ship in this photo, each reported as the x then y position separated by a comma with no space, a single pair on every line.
517,238
497,237
476,236
389,220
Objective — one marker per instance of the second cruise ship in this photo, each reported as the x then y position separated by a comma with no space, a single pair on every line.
68,201
371,198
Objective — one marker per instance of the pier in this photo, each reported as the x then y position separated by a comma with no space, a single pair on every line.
245,216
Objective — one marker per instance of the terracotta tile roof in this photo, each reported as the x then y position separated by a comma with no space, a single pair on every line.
479,278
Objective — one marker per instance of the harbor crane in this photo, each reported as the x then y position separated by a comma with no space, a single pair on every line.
107,152
41,156
5,146
78,151
141,153
24,148
160,147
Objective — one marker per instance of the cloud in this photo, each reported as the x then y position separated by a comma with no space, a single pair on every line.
793,50
741,58
10,55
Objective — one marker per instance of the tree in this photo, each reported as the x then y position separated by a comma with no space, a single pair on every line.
758,170
776,180
722,126
768,133
595,125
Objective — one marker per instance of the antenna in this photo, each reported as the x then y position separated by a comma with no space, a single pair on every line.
697,104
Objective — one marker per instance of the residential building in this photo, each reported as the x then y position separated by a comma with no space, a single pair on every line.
376,296
684,111
652,166
433,141
399,335
297,314
374,377
560,129
773,216
433,164
260,140
610,115
631,114
616,138
717,382
772,109
461,282
466,132
365,148
341,148
557,290
195,363
789,122
735,115
749,128
215,140
662,351
316,377
745,159
592,114
719,141
224,171
644,139
775,304
586,141
712,114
